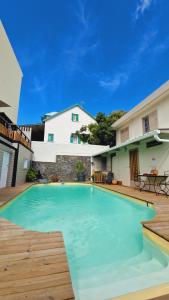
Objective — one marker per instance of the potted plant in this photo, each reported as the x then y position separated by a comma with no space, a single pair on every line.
80,170
31,175
54,178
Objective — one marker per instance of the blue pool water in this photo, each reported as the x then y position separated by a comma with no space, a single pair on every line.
107,253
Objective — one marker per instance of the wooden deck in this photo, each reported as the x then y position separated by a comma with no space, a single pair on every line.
8,193
160,223
33,265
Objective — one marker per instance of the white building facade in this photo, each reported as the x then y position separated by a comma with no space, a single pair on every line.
142,139
15,148
61,127
10,78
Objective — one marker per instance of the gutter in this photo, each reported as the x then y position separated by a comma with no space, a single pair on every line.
128,142
154,133
158,139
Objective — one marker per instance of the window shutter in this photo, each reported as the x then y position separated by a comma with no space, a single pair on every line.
77,117
71,139
79,141
50,137
124,134
153,120
72,116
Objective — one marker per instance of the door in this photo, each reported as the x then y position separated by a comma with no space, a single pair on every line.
104,163
4,169
134,166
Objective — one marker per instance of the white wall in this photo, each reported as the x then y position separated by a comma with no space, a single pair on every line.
62,126
121,164
46,151
10,77
27,131
136,126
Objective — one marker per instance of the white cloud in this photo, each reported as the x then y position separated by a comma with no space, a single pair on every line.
81,13
82,43
114,84
132,64
38,86
142,6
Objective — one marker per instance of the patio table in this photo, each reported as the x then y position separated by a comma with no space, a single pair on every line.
153,183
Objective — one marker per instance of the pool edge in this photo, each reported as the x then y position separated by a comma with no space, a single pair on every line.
145,294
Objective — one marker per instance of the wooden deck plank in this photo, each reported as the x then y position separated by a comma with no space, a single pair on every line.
53,293
8,193
33,265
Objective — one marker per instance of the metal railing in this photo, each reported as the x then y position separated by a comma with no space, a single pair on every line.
13,132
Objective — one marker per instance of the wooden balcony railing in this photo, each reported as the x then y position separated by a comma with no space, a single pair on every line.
14,133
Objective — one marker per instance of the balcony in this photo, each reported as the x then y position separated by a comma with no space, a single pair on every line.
13,132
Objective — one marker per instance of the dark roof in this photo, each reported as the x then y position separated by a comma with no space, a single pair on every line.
5,117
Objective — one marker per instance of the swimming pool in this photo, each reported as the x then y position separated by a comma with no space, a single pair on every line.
107,253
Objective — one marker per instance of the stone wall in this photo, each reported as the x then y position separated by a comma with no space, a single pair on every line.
64,167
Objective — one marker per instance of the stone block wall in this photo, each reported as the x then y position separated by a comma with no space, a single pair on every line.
64,167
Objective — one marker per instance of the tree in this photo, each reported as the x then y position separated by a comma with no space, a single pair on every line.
100,133
115,115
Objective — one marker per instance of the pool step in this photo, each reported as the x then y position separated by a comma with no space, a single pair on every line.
150,260
109,289
115,274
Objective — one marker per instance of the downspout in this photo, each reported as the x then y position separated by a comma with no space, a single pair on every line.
158,139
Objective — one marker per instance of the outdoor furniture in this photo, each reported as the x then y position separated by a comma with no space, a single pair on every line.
103,177
109,177
153,183
99,177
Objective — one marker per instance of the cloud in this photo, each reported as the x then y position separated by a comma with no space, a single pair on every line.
81,13
38,86
162,46
133,62
142,6
28,56
82,43
114,84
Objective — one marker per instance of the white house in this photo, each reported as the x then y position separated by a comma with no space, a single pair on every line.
142,139
15,148
61,127
61,148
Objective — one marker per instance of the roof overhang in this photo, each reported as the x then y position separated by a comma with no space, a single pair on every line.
147,103
3,104
133,141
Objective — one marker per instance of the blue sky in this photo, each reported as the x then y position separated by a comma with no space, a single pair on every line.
103,54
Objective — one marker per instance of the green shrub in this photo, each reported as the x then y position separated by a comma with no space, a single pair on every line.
31,175
79,167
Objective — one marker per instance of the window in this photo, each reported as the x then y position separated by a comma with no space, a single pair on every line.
25,164
74,139
75,117
150,122
146,124
124,133
50,137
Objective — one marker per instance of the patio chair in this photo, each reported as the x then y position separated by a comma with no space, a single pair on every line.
139,182
164,186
